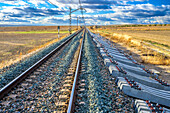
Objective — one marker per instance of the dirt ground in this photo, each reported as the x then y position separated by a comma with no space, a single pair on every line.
15,42
35,28
14,47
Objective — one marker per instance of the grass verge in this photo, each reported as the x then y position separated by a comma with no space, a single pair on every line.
33,32
26,53
147,54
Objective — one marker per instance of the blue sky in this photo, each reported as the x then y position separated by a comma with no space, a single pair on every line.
98,12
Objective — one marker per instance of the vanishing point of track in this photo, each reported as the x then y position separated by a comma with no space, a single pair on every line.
22,83
73,77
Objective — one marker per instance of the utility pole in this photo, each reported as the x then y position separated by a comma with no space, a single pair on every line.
77,23
70,21
58,31
82,12
73,12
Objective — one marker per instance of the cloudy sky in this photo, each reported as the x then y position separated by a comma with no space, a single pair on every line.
98,12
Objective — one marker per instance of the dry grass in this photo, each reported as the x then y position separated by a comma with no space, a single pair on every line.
35,28
162,37
25,51
158,34
153,44
139,42
14,46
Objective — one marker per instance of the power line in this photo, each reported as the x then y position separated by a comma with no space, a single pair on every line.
70,12
55,5
52,3
82,11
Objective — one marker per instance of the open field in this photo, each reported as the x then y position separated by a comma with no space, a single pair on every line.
157,40
154,37
35,32
161,37
16,42
158,34
35,28
149,45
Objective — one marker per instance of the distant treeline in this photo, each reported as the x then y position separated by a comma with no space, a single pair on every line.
142,25
35,28
131,25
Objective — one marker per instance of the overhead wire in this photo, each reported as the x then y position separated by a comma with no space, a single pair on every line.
54,5
83,20
82,12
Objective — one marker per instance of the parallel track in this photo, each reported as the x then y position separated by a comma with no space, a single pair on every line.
92,89
134,79
85,85
73,91
72,96
18,79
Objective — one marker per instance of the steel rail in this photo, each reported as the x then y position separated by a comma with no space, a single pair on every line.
18,79
73,91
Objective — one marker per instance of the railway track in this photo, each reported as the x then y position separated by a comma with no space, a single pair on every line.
9,73
83,74
134,79
59,83
82,89
95,90
41,75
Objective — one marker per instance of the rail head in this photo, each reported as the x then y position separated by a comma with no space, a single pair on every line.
20,77
71,100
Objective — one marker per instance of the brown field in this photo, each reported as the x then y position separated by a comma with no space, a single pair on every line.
34,28
159,34
13,46
149,45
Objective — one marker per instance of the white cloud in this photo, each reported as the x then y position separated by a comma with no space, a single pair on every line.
121,12
15,2
65,6
36,2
